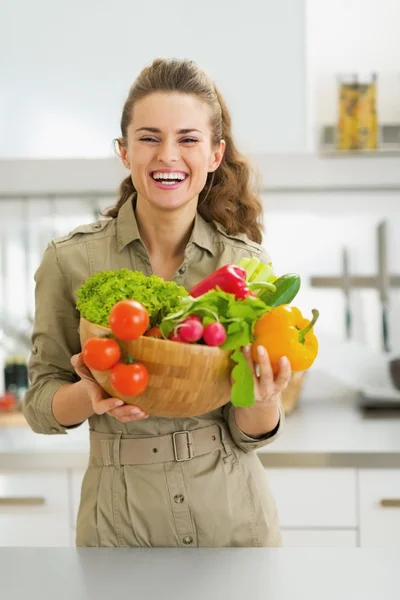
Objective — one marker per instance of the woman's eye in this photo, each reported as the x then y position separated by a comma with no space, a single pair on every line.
148,139
189,141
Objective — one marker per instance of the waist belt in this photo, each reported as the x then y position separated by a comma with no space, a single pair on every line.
181,446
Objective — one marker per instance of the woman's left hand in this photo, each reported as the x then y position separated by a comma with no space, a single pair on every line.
267,386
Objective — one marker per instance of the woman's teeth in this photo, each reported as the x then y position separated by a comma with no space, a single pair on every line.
168,178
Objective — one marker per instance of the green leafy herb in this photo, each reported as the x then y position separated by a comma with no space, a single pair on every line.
97,296
238,317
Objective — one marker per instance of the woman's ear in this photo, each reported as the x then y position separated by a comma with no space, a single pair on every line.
217,156
123,152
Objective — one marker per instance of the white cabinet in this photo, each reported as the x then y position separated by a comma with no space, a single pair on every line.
323,498
316,507
319,538
76,478
34,509
379,508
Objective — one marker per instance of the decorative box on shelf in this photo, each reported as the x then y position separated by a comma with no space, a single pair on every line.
388,142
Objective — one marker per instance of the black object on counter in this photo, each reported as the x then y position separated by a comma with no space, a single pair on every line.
16,376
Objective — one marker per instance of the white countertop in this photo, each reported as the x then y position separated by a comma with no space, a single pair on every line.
179,573
326,429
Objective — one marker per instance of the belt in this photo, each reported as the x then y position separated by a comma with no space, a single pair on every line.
180,446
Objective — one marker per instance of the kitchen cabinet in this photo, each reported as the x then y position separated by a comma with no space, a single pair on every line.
308,498
319,538
75,478
34,509
379,508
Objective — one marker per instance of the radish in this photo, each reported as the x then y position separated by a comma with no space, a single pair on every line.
191,329
174,336
214,334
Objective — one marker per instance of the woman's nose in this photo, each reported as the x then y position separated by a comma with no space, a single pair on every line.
168,152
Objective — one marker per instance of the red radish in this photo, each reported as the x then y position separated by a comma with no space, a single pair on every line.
191,329
214,334
174,336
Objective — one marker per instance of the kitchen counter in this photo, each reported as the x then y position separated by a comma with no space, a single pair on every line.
319,433
234,573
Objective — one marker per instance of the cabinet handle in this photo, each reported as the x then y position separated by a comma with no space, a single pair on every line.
390,502
22,500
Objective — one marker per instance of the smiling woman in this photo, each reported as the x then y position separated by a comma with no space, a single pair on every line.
186,209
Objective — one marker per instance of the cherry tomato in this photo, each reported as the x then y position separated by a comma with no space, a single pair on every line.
129,380
128,320
154,332
101,353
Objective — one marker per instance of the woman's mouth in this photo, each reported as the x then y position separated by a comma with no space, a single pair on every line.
168,180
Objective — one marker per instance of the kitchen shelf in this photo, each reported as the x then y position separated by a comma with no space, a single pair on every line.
389,143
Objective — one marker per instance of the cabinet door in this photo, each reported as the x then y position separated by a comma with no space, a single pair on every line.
319,538
309,498
380,508
76,484
34,509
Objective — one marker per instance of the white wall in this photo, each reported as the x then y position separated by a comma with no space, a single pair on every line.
343,36
70,64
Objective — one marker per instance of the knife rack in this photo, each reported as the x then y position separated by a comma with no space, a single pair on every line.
382,281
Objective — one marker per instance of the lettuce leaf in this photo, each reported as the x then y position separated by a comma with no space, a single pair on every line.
97,296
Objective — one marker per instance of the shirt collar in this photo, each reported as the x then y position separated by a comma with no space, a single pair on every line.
203,233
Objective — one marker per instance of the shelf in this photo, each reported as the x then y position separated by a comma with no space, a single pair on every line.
389,143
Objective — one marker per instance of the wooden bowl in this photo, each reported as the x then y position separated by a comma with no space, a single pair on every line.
185,380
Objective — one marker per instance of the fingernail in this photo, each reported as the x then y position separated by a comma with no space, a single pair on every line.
284,361
261,350
135,411
119,403
246,349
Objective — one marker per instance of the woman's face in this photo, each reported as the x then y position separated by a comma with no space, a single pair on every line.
169,150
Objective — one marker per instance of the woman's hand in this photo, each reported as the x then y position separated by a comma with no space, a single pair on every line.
102,403
263,416
267,387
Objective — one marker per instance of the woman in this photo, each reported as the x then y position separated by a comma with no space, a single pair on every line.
185,209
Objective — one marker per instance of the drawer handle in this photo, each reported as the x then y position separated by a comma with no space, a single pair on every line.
390,502
22,501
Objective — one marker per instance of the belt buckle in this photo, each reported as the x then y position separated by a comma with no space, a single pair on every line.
188,442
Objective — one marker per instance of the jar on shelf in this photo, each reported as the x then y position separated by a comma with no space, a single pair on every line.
347,137
357,126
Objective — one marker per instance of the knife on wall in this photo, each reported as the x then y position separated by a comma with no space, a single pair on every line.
346,291
383,282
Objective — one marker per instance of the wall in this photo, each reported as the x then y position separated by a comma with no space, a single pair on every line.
345,36
69,67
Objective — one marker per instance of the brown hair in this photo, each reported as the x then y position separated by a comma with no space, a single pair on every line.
227,196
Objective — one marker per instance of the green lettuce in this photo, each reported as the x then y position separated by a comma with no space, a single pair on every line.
97,296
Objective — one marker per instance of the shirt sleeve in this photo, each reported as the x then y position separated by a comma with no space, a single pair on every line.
245,442
55,338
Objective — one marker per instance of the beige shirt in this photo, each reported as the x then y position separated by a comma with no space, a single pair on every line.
220,498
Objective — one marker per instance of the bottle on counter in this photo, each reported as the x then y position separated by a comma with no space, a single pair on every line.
16,377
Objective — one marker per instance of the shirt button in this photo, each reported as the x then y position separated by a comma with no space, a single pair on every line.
187,540
179,498
182,270
34,350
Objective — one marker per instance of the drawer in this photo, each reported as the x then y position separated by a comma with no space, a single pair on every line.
315,497
319,538
34,509
380,508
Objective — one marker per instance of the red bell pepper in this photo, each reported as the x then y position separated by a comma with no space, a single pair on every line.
229,278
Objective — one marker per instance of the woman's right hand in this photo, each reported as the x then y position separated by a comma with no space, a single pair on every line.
103,403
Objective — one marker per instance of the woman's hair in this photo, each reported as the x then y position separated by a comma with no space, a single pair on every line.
227,197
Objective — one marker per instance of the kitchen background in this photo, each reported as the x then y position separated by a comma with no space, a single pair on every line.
66,73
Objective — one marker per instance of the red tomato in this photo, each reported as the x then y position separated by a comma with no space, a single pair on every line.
129,380
154,332
101,354
128,320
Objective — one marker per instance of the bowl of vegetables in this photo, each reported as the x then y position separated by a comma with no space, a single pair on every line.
172,352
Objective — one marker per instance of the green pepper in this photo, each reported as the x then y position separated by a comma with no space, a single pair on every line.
286,286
